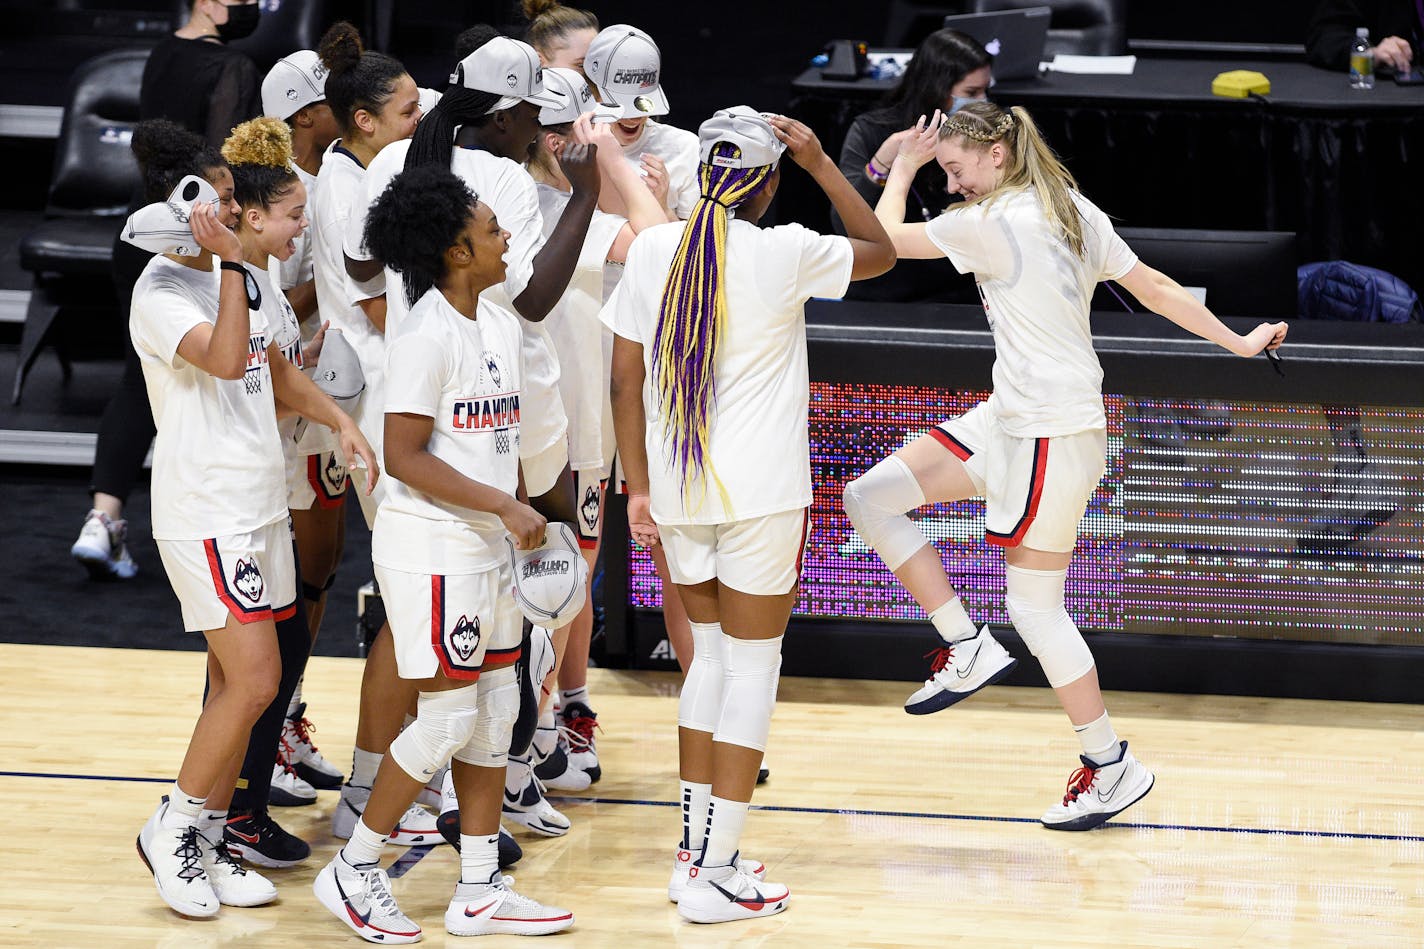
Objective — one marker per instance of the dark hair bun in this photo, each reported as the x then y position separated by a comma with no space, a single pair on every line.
340,48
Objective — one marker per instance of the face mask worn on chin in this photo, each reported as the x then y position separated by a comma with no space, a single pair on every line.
241,21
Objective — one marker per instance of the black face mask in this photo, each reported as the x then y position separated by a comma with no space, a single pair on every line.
241,22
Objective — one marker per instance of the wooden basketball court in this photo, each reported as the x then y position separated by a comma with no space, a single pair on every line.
1273,822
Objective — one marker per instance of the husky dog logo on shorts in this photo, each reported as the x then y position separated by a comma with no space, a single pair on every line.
247,579
465,637
333,474
589,509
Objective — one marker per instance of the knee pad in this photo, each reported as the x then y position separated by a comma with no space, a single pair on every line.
750,670
700,701
876,503
443,724
1034,600
496,706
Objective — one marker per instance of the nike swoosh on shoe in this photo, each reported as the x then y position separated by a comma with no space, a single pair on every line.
970,668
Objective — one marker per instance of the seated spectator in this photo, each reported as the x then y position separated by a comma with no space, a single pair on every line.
1396,27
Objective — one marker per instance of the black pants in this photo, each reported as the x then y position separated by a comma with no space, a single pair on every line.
126,430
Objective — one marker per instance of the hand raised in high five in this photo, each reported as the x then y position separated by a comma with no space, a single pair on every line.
918,146
801,142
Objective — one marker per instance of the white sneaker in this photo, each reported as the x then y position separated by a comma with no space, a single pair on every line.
175,858
958,670
1099,792
101,548
557,770
417,826
527,806
306,760
288,790
580,722
723,894
682,865
480,909
234,884
362,900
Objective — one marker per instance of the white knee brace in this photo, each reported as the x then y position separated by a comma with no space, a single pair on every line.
443,723
1034,599
876,503
750,669
700,701
496,707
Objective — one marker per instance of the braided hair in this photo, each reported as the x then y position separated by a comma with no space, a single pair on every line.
693,310
435,135
1030,163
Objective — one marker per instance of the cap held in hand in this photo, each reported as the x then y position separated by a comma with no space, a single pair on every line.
550,581
163,228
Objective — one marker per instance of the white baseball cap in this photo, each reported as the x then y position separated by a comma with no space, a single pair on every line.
550,581
338,373
293,83
745,128
509,68
625,65
579,98
163,228
429,99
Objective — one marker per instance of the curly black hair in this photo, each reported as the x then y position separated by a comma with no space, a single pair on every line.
167,153
415,220
357,78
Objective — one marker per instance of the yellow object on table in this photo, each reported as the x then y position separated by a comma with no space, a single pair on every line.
1240,83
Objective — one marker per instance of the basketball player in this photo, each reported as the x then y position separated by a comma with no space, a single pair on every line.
724,484
1035,449
452,439
215,378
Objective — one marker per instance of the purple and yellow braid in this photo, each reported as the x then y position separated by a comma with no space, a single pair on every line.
690,318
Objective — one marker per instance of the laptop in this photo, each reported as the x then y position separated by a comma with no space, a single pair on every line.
1015,38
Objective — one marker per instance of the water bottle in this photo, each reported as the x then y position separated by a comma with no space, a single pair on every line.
1362,61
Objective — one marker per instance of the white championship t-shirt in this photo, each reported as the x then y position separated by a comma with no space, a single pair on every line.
574,327
464,374
509,191
217,460
678,150
1036,293
758,444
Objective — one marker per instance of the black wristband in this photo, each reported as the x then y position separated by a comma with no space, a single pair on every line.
233,266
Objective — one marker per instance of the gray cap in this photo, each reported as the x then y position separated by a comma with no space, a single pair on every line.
745,128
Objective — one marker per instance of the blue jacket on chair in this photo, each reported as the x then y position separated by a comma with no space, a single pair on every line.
1340,290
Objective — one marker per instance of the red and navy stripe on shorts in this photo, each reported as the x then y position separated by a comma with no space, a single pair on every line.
1035,494
955,446
244,614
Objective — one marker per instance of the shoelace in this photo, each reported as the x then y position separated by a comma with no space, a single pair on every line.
285,752
1078,783
580,731
224,856
303,729
378,892
515,900
191,853
939,658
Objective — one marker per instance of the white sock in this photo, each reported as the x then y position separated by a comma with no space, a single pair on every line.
695,798
724,831
567,696
479,858
296,701
183,808
952,623
210,824
1100,742
364,765
364,847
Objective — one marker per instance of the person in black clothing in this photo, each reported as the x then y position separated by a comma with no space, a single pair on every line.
1396,28
948,69
192,78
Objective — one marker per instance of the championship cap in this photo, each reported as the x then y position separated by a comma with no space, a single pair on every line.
293,83
338,373
745,128
163,228
550,580
579,98
508,68
625,65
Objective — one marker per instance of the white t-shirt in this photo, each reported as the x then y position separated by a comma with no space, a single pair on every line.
217,460
757,438
1036,292
577,334
678,150
507,188
464,374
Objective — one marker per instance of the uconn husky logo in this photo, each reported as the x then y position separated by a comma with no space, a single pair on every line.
465,637
589,509
248,580
492,367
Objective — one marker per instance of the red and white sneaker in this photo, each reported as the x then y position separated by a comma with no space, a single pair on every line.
724,894
682,865
480,909
1099,792
306,760
362,899
958,670
580,721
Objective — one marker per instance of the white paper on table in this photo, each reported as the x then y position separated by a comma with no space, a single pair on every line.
1093,65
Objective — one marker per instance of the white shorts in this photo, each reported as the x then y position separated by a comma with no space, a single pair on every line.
588,492
453,624
542,470
761,556
317,480
1035,489
250,576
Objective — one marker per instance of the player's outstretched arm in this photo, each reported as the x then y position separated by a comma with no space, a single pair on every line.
1165,297
916,149
292,388
221,348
